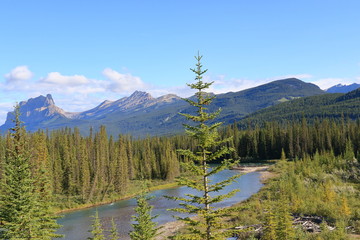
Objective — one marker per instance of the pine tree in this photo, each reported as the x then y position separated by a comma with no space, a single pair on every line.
114,235
208,148
45,204
97,231
270,221
144,228
285,230
23,212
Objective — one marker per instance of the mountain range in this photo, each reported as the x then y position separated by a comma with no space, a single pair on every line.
141,114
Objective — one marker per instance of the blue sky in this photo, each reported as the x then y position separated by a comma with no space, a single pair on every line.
85,51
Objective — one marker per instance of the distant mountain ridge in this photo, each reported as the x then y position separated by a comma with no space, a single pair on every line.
135,102
340,88
330,105
140,114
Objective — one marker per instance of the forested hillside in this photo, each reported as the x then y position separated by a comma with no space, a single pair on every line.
331,106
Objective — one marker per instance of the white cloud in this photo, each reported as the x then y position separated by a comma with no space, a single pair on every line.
326,83
58,79
298,76
55,82
223,85
20,73
122,82
234,85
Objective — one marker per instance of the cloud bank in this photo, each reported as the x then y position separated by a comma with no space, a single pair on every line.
326,83
122,82
20,73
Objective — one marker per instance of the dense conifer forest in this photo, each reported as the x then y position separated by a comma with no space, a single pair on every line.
90,169
297,138
93,168
320,178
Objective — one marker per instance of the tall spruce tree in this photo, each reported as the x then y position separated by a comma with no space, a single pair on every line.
23,213
97,230
114,235
209,147
144,228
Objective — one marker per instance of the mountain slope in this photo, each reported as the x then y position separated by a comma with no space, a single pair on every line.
165,120
141,114
331,105
237,105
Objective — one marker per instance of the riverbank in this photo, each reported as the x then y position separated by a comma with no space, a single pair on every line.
115,199
265,174
170,228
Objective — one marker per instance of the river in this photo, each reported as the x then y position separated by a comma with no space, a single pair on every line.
76,225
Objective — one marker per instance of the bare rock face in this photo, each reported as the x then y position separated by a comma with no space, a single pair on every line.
37,109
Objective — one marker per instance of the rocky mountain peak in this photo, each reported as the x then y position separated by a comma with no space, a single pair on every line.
139,97
38,102
168,98
36,110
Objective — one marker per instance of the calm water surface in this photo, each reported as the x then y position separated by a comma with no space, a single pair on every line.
77,224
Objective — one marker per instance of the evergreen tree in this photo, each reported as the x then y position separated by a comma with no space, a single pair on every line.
97,230
114,235
208,148
45,204
23,212
285,230
144,228
270,221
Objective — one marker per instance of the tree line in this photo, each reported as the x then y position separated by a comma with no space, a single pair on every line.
88,169
297,138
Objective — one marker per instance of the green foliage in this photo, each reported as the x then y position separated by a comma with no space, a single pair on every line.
207,148
312,186
144,228
25,204
278,220
326,106
296,139
114,235
83,170
97,230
